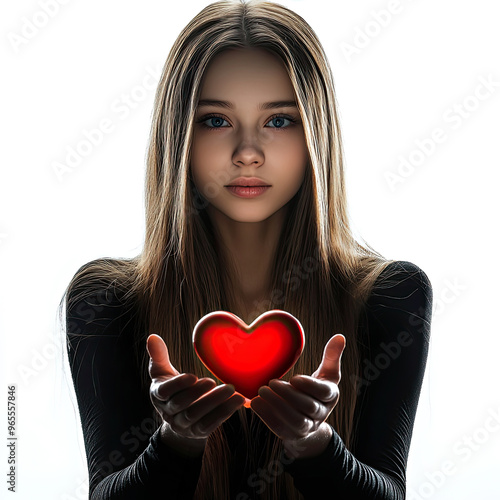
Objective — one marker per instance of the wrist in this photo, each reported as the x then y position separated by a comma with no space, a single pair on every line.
185,446
310,446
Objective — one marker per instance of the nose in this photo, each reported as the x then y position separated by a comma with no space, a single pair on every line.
248,156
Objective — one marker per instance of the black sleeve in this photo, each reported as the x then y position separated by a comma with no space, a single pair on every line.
395,336
126,458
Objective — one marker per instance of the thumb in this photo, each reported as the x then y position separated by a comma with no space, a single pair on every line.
159,363
330,364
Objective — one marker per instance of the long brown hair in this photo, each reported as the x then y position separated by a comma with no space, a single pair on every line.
321,274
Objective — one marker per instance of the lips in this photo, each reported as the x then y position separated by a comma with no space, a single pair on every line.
248,182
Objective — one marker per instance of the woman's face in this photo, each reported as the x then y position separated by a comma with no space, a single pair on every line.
244,140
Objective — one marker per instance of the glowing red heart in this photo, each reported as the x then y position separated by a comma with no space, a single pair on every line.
248,356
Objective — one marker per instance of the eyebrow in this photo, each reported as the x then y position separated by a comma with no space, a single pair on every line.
262,105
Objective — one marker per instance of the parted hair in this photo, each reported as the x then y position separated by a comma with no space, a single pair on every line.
321,273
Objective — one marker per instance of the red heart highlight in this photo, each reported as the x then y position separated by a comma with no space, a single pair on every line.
248,357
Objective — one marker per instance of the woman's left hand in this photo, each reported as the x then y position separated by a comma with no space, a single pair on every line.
296,410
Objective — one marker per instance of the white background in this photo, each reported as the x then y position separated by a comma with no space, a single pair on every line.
421,66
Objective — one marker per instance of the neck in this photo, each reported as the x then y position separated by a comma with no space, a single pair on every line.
251,247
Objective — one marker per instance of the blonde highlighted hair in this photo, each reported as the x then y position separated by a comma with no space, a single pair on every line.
321,274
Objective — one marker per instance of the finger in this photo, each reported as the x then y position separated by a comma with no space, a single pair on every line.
267,414
322,390
180,401
329,368
159,363
163,390
218,415
304,403
296,424
203,405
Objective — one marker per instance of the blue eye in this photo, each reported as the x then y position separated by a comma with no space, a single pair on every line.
220,119
213,117
279,117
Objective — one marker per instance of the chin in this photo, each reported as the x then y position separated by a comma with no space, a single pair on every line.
246,214
252,218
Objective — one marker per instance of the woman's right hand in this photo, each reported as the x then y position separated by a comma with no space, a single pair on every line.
190,407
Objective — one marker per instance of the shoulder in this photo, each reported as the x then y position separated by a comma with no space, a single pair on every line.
403,270
100,332
401,297
92,281
401,279
100,275
101,272
94,295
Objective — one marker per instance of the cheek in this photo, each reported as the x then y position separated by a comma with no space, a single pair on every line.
204,157
294,160
209,158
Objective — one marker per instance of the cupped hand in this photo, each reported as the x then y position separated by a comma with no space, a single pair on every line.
192,407
296,410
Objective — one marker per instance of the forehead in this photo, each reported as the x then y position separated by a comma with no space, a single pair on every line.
236,74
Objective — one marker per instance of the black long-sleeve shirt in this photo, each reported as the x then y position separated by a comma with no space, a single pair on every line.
127,460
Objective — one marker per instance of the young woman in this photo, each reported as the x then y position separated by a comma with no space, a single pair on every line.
246,97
